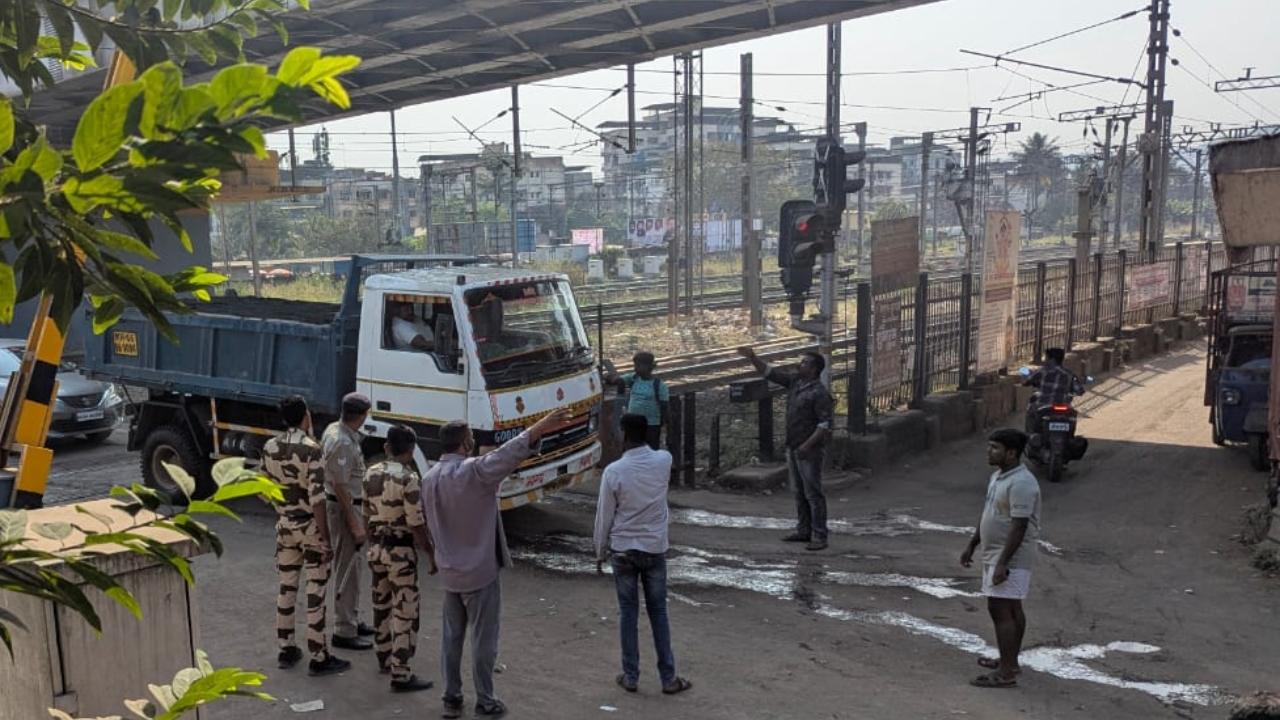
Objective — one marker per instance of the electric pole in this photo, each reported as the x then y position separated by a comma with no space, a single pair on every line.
861,130
1154,140
971,182
750,241
396,210
515,173
828,258
1121,165
926,146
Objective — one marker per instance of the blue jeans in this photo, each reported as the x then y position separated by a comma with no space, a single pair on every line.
811,503
631,570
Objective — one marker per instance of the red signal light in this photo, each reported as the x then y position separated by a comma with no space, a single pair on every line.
803,226
1061,408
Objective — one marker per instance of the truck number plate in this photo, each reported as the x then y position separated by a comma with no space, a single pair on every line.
125,343
1059,427
89,415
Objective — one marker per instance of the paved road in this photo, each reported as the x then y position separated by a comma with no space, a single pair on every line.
1142,604
83,471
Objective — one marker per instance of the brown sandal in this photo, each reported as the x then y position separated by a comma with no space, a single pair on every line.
993,680
994,664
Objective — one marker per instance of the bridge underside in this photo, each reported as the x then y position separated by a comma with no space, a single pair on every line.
417,51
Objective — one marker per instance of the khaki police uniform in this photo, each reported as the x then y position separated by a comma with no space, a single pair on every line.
293,460
344,465
392,509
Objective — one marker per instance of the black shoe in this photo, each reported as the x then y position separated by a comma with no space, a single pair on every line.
452,708
331,665
816,544
796,537
355,643
365,630
496,709
413,683
289,657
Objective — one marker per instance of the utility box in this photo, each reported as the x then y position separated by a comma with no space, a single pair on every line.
745,391
653,265
626,268
60,662
595,271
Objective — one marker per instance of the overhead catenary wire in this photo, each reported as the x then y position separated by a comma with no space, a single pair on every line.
1177,32
1077,31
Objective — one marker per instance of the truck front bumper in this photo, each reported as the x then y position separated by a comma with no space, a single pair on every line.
532,484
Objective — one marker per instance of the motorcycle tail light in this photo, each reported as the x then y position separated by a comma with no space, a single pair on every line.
1061,408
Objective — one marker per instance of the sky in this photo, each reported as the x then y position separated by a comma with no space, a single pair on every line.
1218,39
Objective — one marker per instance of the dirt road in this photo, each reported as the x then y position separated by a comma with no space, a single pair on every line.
1142,605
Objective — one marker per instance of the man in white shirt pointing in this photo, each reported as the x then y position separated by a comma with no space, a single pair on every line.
631,530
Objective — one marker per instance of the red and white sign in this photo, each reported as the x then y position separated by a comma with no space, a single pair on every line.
591,237
1147,286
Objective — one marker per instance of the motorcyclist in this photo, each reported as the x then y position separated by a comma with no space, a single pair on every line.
1056,386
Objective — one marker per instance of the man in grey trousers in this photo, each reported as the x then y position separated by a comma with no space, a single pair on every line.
809,415
460,501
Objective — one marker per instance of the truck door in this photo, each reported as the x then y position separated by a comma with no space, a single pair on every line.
419,373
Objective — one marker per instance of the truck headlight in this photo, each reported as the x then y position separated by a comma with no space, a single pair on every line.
1230,396
593,420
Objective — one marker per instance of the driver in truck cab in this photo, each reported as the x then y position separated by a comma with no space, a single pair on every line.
409,331
1056,386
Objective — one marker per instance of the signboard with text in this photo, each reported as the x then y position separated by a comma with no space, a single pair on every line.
895,254
996,330
886,345
591,237
1146,286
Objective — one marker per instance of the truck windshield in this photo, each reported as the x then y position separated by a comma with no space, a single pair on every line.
1250,351
526,332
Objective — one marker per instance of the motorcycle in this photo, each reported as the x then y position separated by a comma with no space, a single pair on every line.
1056,443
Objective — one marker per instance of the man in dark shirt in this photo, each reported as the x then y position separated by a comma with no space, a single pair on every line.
1056,385
809,412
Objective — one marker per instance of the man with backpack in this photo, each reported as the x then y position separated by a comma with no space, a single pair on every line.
646,395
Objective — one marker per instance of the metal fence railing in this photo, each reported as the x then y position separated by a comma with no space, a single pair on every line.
1060,303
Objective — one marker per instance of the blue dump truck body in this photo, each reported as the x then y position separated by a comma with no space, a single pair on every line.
234,349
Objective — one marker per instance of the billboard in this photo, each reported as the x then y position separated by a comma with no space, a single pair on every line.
650,232
895,254
1146,286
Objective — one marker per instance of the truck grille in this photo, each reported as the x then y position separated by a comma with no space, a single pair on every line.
82,401
564,438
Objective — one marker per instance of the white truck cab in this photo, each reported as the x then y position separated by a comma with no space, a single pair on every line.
497,348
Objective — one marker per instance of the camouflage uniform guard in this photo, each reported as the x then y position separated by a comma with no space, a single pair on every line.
393,514
293,459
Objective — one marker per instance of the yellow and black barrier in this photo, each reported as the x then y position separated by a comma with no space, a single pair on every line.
29,427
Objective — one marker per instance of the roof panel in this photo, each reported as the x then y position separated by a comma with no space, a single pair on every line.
416,51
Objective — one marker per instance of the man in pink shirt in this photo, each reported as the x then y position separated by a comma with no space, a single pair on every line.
460,501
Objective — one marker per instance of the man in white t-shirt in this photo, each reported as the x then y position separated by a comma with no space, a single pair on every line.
1007,535
409,331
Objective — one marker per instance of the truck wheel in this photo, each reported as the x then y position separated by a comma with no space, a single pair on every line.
1259,453
1218,438
170,444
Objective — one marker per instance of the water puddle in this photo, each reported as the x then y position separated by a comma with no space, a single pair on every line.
1062,662
791,581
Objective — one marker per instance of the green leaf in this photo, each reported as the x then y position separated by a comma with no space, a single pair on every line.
63,26
13,525
246,488
121,242
92,29
102,519
235,87
142,708
6,124
296,65
193,103
332,92
106,314
227,470
85,195
330,66
125,599
204,507
101,131
162,83
253,135
40,159
56,531
8,293
164,695
181,478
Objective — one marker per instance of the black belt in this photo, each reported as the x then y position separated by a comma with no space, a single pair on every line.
395,541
